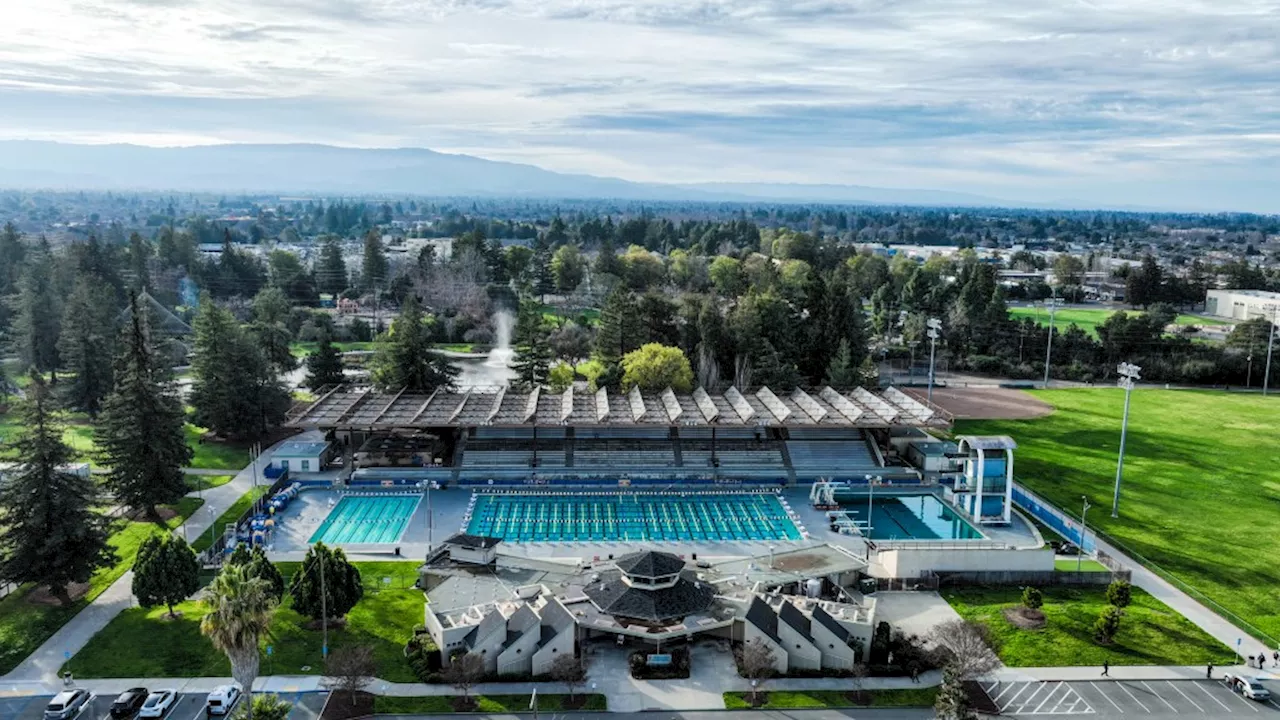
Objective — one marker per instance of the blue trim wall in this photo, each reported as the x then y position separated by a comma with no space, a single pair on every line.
1051,516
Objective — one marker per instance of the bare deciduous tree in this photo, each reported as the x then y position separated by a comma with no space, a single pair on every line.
351,669
571,671
858,673
757,664
463,672
965,645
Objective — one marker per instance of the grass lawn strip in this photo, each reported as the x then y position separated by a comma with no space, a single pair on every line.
388,705
781,699
215,455
1150,634
25,626
207,482
143,643
1078,564
1201,484
1088,319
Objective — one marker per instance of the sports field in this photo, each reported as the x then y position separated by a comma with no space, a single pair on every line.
1201,495
1090,319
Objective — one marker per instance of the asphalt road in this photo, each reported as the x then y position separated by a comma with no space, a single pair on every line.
1128,699
840,714
306,706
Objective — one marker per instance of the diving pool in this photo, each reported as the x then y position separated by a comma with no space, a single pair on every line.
909,517
367,519
631,517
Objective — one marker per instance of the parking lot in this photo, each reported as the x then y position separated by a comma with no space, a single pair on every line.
1126,698
306,706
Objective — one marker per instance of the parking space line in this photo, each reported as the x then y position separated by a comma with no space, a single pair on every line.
1006,689
1031,698
1247,702
1047,698
1159,697
1107,697
1128,692
1016,695
1188,697
1211,697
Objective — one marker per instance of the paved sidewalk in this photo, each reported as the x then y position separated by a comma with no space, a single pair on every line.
39,672
1126,672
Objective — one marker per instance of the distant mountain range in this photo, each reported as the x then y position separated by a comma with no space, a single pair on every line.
325,169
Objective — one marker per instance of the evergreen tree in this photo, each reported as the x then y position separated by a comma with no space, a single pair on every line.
85,345
13,253
620,330
331,268
49,532
270,317
373,266
258,566
533,351
543,277
235,392
36,323
139,253
843,372
141,430
952,702
342,585
165,572
324,366
406,360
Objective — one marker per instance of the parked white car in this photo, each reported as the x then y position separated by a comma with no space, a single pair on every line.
1248,687
67,704
222,700
158,704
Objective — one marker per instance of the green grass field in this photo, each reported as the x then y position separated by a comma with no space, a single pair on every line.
1150,633
1089,319
434,704
24,626
909,697
216,454
1201,483
207,482
143,643
1079,564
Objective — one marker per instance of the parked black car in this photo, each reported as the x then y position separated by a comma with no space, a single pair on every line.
129,703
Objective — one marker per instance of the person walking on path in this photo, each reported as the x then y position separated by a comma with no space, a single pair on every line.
1106,668
1208,672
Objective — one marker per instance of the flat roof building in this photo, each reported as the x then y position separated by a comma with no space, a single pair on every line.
1241,304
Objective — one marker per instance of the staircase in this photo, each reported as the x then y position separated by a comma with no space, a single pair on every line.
675,445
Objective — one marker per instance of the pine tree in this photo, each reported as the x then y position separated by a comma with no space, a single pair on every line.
85,345
165,572
141,431
324,366
50,533
620,330
843,372
952,702
331,269
373,266
139,253
37,313
406,361
235,392
13,253
533,351
342,585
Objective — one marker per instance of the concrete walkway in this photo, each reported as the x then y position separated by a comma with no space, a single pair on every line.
40,670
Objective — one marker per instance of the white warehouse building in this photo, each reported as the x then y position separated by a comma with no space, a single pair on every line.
1241,304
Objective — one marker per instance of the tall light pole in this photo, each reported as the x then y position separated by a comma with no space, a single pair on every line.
871,499
1271,336
1128,375
1084,528
935,329
1052,304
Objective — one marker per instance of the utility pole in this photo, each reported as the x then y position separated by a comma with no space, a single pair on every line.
1128,375
1271,336
1084,528
1052,304
871,499
935,328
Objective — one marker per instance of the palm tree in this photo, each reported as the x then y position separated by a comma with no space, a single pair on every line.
240,610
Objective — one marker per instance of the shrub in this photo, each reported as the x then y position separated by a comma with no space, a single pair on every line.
1119,594
1032,599
1107,625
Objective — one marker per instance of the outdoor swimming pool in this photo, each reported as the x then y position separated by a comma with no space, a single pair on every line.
367,519
909,517
632,517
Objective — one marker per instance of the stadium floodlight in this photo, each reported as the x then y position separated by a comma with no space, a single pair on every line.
935,330
1084,528
1271,336
1052,304
1128,376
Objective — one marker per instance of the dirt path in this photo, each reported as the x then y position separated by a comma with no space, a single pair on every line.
989,403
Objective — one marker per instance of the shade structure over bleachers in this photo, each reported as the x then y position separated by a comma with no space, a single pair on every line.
363,408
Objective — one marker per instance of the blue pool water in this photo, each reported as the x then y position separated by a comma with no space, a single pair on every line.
367,519
909,517
629,517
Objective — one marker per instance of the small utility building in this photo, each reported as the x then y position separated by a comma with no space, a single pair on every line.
301,456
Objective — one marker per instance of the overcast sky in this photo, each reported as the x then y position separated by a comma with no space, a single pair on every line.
1144,102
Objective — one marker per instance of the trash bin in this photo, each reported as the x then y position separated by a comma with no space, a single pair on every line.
867,586
67,679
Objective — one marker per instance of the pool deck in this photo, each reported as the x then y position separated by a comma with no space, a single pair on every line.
448,507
